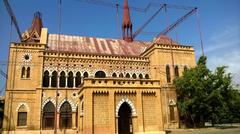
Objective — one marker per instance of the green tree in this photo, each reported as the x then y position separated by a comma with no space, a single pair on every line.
204,95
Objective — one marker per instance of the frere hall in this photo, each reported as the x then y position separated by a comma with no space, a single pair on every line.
89,85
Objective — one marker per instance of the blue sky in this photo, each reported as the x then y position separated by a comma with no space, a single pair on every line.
219,19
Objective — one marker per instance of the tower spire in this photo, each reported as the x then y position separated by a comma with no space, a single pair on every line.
34,32
127,24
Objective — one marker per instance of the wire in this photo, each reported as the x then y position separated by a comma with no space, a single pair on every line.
200,31
118,21
137,9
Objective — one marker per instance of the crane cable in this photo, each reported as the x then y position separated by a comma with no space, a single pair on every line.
118,20
200,32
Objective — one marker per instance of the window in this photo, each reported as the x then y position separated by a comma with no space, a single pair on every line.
78,79
22,119
85,75
45,79
23,72
70,79
62,79
172,115
66,115
146,76
28,72
54,79
134,76
22,116
127,75
176,71
140,76
114,75
48,116
100,74
121,75
168,74
82,108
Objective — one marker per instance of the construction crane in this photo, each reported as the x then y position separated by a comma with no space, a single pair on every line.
114,5
175,24
3,73
13,18
148,21
139,30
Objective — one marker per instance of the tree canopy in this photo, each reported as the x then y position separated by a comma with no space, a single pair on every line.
204,95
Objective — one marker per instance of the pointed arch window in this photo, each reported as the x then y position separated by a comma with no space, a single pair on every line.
48,116
134,76
85,75
168,77
146,76
176,71
62,79
28,72
121,75
78,79
140,76
172,115
82,108
45,79
23,73
70,79
22,116
66,115
128,75
54,79
114,75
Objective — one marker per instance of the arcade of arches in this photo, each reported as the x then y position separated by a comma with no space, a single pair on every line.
92,85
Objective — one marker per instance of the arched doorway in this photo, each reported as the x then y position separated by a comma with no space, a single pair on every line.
48,116
125,119
66,115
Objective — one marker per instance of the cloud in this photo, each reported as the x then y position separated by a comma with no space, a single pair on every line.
223,49
230,59
229,37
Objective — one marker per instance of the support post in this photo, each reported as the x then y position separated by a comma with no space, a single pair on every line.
50,81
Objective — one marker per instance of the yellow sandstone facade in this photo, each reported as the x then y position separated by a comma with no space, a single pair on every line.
105,86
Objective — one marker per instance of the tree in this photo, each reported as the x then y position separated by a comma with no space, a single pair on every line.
204,95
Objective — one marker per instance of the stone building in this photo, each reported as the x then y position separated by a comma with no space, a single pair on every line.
91,85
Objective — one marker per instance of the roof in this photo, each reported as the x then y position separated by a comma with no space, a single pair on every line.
163,39
106,46
93,45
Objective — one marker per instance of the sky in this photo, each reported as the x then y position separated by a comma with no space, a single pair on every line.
219,22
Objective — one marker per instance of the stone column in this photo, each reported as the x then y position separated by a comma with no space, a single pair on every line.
74,81
66,81
134,124
74,120
159,110
50,81
81,79
139,109
88,116
111,107
58,81
116,124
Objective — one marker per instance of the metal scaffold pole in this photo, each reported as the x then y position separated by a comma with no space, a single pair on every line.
57,81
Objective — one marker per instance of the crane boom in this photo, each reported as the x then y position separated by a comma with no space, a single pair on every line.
148,21
172,26
13,17
3,73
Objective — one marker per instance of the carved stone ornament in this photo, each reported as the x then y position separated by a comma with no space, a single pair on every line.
27,57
